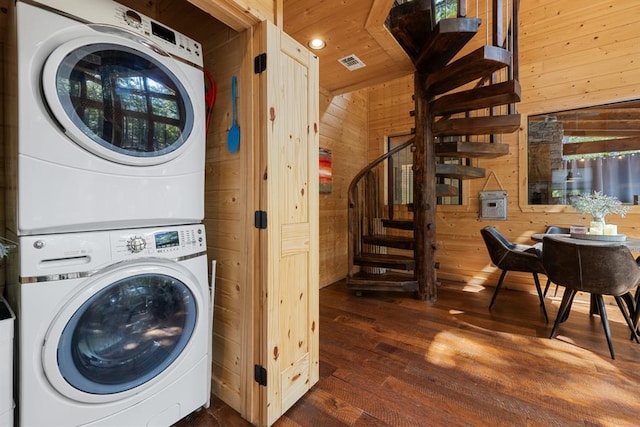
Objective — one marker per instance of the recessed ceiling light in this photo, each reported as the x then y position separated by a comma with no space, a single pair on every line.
316,44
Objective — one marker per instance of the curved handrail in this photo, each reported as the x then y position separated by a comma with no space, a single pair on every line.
370,166
354,226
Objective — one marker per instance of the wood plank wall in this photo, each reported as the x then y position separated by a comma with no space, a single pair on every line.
572,55
343,130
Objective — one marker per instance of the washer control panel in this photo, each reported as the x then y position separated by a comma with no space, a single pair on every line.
136,244
168,242
67,254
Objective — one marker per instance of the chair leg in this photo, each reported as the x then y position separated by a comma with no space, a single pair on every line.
627,311
498,286
568,296
636,311
546,287
631,305
544,309
565,306
605,322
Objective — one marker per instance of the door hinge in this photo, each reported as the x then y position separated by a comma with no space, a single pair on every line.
260,219
260,375
260,63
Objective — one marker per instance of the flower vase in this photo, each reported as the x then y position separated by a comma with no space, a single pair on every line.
596,226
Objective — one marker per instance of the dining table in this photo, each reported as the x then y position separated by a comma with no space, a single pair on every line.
631,242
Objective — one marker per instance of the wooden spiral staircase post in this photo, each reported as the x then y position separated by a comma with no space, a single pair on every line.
452,115
424,195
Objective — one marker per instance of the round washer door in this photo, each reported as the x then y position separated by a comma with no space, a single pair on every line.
122,331
118,99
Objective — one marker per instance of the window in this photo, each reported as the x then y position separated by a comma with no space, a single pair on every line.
401,174
584,150
124,100
445,9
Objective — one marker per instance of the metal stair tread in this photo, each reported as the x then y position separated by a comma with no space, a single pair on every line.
493,95
459,171
389,240
466,149
390,281
480,63
448,37
400,224
384,260
485,125
410,25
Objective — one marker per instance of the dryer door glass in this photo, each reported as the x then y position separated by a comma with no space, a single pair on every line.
127,334
123,100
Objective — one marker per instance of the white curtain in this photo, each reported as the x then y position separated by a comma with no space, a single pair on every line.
614,176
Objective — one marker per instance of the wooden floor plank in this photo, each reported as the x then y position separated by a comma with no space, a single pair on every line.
387,359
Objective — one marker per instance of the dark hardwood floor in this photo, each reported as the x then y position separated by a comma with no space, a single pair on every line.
389,359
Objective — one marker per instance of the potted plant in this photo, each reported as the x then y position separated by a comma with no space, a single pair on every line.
599,205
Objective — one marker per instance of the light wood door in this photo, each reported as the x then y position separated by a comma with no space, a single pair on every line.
288,319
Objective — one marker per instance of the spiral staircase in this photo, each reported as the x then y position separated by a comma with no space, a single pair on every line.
464,100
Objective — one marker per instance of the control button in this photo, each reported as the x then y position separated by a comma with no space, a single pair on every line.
38,244
136,244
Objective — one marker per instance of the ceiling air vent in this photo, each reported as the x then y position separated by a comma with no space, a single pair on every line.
352,62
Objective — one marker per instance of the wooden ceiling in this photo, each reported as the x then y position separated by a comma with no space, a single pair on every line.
349,27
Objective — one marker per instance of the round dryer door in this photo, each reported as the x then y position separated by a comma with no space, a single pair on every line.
117,101
122,332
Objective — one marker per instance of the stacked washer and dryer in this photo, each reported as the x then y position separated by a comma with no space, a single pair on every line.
106,198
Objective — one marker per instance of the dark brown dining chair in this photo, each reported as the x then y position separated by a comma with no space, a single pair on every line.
554,229
595,269
510,256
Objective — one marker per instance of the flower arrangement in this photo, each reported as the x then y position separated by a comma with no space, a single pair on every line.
599,205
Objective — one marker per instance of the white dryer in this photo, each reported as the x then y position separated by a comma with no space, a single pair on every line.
110,120
113,327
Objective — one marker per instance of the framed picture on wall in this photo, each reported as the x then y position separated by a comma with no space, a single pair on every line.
325,170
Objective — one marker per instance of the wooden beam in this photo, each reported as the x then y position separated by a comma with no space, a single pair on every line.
424,195
379,32
235,15
603,146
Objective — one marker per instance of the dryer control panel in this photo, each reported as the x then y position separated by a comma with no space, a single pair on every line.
112,13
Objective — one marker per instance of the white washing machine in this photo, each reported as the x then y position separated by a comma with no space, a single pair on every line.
113,327
110,122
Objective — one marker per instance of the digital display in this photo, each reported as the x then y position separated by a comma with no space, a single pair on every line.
163,33
167,239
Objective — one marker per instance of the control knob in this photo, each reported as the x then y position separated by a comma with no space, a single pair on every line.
133,19
136,244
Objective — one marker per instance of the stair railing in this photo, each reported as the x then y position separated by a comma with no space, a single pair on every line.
364,201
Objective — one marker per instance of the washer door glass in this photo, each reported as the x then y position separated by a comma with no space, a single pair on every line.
117,101
126,334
